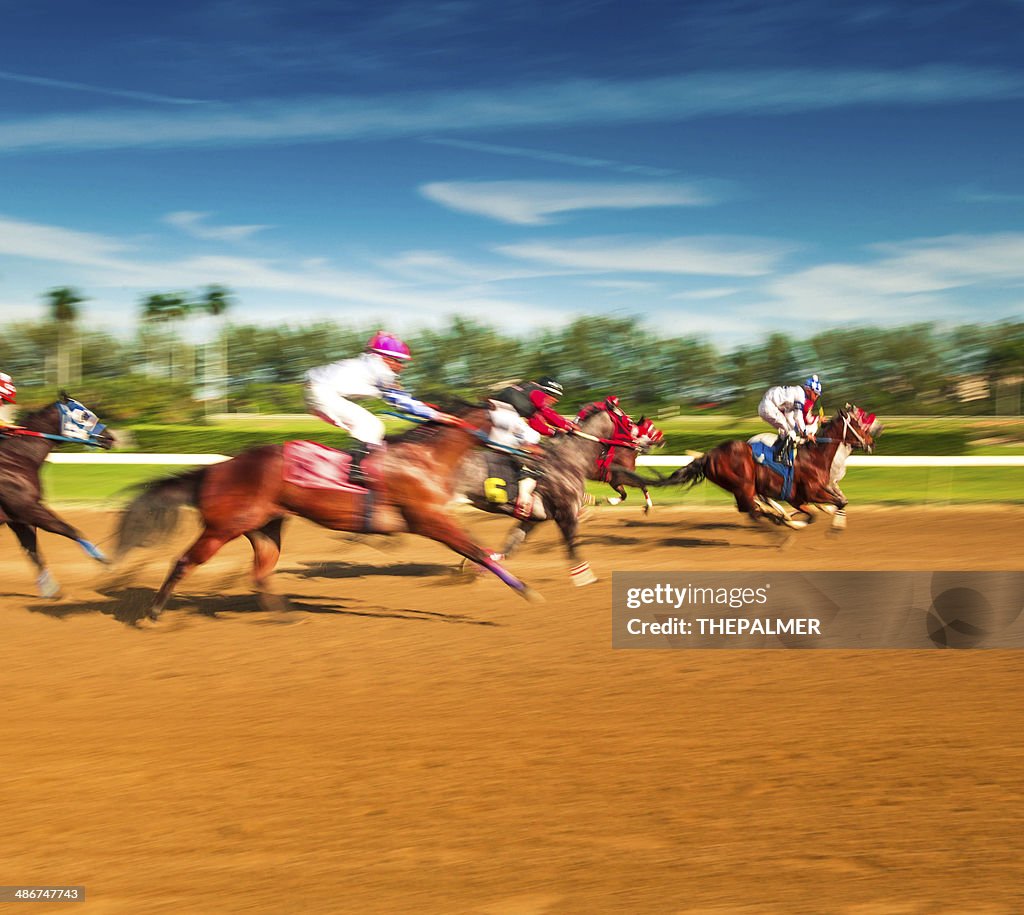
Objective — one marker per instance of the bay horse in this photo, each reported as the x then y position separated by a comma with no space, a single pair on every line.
410,485
756,487
565,462
23,449
616,465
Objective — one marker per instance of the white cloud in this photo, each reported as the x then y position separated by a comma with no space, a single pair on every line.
681,97
532,203
52,243
718,292
543,155
698,255
194,224
912,280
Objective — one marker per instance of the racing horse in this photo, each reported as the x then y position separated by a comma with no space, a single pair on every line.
616,465
23,449
410,485
756,486
565,462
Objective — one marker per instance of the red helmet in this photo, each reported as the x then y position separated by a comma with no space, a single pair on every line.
384,344
8,392
611,403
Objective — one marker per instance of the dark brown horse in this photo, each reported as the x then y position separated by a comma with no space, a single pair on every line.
756,487
249,495
22,452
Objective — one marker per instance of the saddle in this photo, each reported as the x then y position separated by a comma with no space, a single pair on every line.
315,466
763,449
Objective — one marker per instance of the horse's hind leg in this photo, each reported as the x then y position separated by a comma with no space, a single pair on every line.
266,545
26,534
200,551
580,572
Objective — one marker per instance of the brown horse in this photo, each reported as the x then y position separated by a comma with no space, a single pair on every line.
756,487
616,465
23,449
249,495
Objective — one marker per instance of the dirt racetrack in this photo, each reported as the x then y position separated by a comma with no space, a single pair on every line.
403,744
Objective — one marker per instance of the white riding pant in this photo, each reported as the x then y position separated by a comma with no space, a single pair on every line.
785,424
359,422
509,428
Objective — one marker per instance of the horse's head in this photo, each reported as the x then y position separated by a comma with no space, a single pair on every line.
854,427
647,435
78,422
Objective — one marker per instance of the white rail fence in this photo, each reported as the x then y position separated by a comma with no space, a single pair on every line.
660,460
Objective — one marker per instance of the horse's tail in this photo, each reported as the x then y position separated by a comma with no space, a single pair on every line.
153,514
693,473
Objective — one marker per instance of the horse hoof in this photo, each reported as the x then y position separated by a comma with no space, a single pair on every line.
582,575
48,586
534,597
273,603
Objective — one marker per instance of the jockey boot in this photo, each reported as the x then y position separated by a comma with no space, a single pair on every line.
524,499
783,451
360,453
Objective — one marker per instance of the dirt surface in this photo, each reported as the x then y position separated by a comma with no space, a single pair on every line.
399,743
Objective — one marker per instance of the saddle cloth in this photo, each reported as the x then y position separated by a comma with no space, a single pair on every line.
315,466
762,451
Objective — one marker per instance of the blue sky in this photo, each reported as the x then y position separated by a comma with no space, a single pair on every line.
722,168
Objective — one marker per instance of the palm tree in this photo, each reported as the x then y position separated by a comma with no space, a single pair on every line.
164,308
216,301
63,303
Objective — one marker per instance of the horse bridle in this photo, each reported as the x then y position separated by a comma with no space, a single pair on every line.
842,439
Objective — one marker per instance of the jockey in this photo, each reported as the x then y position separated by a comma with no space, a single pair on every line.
8,394
331,391
526,412
788,409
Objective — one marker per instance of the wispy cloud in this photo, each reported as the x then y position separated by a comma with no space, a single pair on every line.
134,94
533,203
974,194
541,155
194,223
705,255
53,243
577,102
915,280
717,292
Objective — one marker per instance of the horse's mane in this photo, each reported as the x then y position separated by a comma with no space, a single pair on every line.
35,414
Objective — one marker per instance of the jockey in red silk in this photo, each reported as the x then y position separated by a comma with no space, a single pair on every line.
624,432
533,402
8,393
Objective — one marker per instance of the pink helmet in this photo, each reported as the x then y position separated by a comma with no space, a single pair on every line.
385,344
8,392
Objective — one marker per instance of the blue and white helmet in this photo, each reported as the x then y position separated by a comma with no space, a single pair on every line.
813,385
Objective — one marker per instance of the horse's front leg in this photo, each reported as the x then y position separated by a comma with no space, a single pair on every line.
38,515
45,582
429,520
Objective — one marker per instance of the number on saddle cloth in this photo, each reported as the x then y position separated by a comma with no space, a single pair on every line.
501,485
315,466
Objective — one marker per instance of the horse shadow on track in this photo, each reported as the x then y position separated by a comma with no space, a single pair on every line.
130,606
362,570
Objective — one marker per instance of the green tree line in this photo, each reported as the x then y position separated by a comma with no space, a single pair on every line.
153,375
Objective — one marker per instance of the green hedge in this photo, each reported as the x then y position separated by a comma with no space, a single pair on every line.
230,440
893,443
